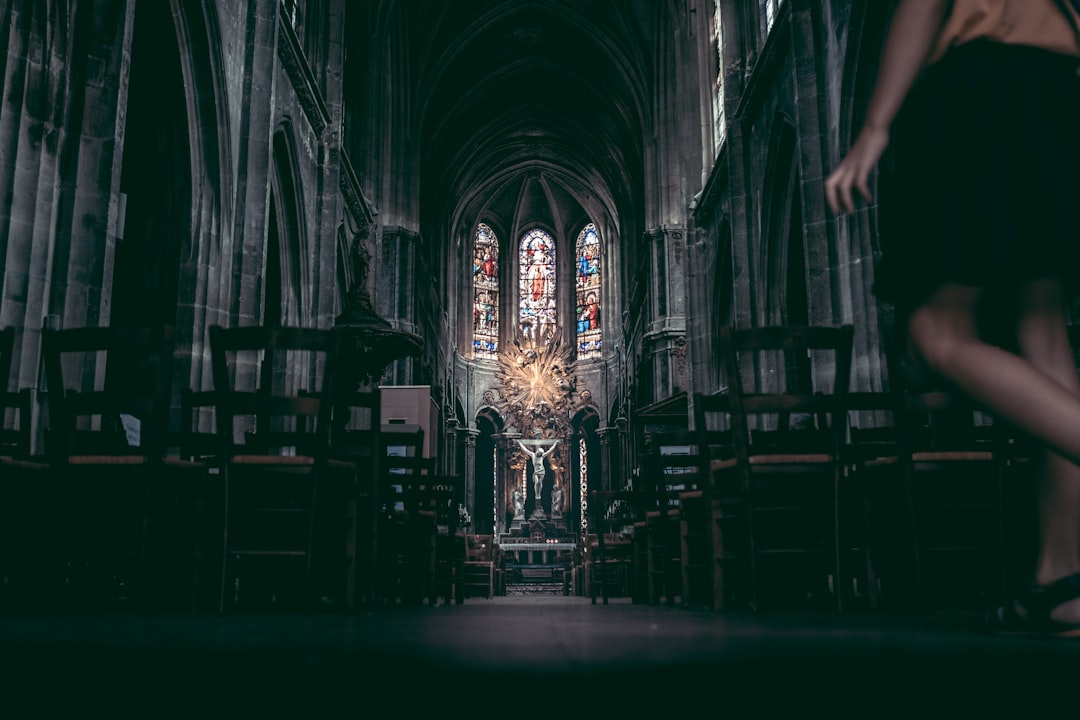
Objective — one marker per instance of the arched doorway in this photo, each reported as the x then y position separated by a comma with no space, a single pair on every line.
486,500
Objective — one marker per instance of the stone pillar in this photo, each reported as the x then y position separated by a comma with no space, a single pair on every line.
470,471
607,478
666,327
450,450
621,453
396,290
450,457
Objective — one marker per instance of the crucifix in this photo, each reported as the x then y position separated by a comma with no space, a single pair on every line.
537,456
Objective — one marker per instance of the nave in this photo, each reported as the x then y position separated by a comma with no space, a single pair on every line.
546,656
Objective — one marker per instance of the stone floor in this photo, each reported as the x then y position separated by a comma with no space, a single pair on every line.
526,655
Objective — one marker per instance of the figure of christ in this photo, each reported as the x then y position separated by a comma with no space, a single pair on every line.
538,276
537,458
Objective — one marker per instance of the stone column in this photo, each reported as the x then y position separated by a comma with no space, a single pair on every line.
470,472
621,451
607,477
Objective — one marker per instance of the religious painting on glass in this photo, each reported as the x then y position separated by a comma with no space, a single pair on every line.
588,293
537,286
485,293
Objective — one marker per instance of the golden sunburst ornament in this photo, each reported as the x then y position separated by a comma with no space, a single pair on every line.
537,387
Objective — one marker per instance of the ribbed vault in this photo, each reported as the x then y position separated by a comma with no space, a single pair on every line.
529,111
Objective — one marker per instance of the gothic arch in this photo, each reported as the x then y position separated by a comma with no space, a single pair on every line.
783,270
288,285
868,27
489,500
869,24
205,267
587,465
723,292
154,214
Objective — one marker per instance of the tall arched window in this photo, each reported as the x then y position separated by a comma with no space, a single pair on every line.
719,121
485,293
770,9
537,282
587,270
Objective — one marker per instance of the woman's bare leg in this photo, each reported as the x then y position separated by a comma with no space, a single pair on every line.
943,333
1038,393
1044,342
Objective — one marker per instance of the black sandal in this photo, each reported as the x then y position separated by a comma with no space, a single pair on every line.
1029,614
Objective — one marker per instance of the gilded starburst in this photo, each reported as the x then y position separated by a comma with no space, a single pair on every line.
537,387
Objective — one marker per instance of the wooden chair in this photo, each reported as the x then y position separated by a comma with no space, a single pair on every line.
356,441
401,561
23,484
672,469
950,534
281,499
713,517
787,430
196,444
108,398
871,503
612,515
439,539
197,437
480,566
952,468
15,406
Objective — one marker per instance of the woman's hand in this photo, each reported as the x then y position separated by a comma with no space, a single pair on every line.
913,32
854,170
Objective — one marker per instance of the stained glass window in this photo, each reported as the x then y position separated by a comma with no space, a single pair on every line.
587,270
770,8
719,121
291,9
537,301
485,293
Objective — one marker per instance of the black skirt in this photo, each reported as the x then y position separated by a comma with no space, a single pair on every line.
982,183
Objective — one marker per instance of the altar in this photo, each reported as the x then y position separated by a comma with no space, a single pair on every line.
534,553
538,557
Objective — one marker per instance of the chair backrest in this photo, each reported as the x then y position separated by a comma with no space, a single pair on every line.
436,496
403,466
197,437
270,384
14,435
803,389
612,513
109,391
932,415
672,463
356,429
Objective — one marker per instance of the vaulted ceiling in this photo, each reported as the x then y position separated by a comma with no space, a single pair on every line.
531,110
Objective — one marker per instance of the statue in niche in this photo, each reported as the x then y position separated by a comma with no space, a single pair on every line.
556,500
519,503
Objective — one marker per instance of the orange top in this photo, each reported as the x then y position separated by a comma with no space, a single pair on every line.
1038,23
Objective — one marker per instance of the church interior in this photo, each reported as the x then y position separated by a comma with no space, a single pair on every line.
492,346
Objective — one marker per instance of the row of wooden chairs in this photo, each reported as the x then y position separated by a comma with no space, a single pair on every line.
791,491
279,487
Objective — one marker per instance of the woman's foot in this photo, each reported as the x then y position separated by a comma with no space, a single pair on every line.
1050,610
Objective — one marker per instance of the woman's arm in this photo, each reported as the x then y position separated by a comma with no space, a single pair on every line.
912,32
